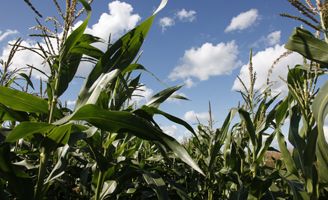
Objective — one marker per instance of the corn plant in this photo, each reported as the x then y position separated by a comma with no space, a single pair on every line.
82,140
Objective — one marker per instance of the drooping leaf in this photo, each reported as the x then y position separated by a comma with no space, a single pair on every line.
303,42
115,121
27,79
153,110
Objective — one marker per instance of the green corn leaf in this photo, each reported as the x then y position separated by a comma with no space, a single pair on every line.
320,110
158,184
249,126
22,101
74,37
25,129
264,148
133,67
119,55
68,62
108,188
221,136
10,114
115,121
27,79
293,136
163,95
60,134
303,42
61,164
281,112
152,110
287,158
84,48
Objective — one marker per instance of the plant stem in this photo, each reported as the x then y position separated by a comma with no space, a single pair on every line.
99,184
42,173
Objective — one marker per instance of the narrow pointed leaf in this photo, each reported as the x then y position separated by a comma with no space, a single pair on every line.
163,95
287,158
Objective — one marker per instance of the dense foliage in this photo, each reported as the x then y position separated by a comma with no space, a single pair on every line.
108,148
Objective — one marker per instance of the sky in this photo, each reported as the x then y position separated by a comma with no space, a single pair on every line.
204,45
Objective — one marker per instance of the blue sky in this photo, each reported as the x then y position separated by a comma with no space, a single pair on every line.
202,44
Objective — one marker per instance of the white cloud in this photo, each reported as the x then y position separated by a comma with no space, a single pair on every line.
6,33
166,22
71,103
206,61
262,62
193,117
116,22
243,20
269,40
185,15
177,132
170,130
141,95
189,83
273,38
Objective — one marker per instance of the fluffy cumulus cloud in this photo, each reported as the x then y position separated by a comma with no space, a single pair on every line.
243,20
116,22
177,132
185,15
205,61
262,62
193,117
71,103
119,19
166,22
182,15
6,33
273,38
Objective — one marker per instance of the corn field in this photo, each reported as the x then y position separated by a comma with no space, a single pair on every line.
107,148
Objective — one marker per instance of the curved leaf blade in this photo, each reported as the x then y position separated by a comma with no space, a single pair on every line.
116,121
25,129
320,111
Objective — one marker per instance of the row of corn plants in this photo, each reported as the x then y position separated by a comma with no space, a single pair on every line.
108,148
